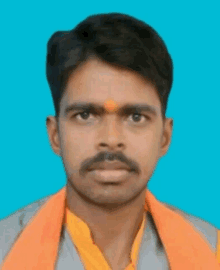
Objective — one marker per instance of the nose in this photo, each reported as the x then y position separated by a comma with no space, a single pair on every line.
111,135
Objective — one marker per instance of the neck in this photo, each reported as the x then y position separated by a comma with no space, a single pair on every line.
108,227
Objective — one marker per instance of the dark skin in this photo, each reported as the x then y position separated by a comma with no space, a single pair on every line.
113,211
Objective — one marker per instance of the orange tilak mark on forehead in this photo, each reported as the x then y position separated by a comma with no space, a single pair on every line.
110,105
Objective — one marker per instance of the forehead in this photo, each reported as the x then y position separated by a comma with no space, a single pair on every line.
97,82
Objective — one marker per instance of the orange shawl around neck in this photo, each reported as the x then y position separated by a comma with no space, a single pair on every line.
36,248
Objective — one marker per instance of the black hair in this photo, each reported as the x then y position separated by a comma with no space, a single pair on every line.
117,39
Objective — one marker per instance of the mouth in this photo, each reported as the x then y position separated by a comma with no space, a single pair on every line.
110,176
110,166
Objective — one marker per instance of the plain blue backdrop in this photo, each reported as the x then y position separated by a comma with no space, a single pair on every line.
188,176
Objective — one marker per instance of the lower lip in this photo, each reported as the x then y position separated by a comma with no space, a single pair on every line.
110,176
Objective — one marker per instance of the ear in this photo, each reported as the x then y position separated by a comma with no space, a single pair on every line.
52,130
166,136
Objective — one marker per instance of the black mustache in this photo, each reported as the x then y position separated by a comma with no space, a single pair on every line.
108,156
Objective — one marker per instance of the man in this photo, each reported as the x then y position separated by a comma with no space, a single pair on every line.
110,79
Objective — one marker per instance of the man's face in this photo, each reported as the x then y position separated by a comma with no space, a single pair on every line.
140,138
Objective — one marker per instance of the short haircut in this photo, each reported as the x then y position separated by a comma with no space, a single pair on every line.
114,38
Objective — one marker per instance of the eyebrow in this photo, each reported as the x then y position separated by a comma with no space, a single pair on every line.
125,109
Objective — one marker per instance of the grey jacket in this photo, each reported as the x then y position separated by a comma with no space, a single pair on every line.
152,254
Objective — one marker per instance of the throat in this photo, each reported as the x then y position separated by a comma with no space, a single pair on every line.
117,257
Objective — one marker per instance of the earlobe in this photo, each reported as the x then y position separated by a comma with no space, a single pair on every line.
52,131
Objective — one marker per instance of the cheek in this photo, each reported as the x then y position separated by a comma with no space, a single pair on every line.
146,148
74,146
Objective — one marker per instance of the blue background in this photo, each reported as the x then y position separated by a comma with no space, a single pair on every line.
188,176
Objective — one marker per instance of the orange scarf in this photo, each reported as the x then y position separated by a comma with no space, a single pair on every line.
37,246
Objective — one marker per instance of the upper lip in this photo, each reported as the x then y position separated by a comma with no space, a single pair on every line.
110,166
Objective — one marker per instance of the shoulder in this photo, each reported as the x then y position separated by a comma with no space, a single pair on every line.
208,230
11,226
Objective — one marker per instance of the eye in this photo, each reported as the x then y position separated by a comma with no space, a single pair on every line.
137,117
83,115
87,116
